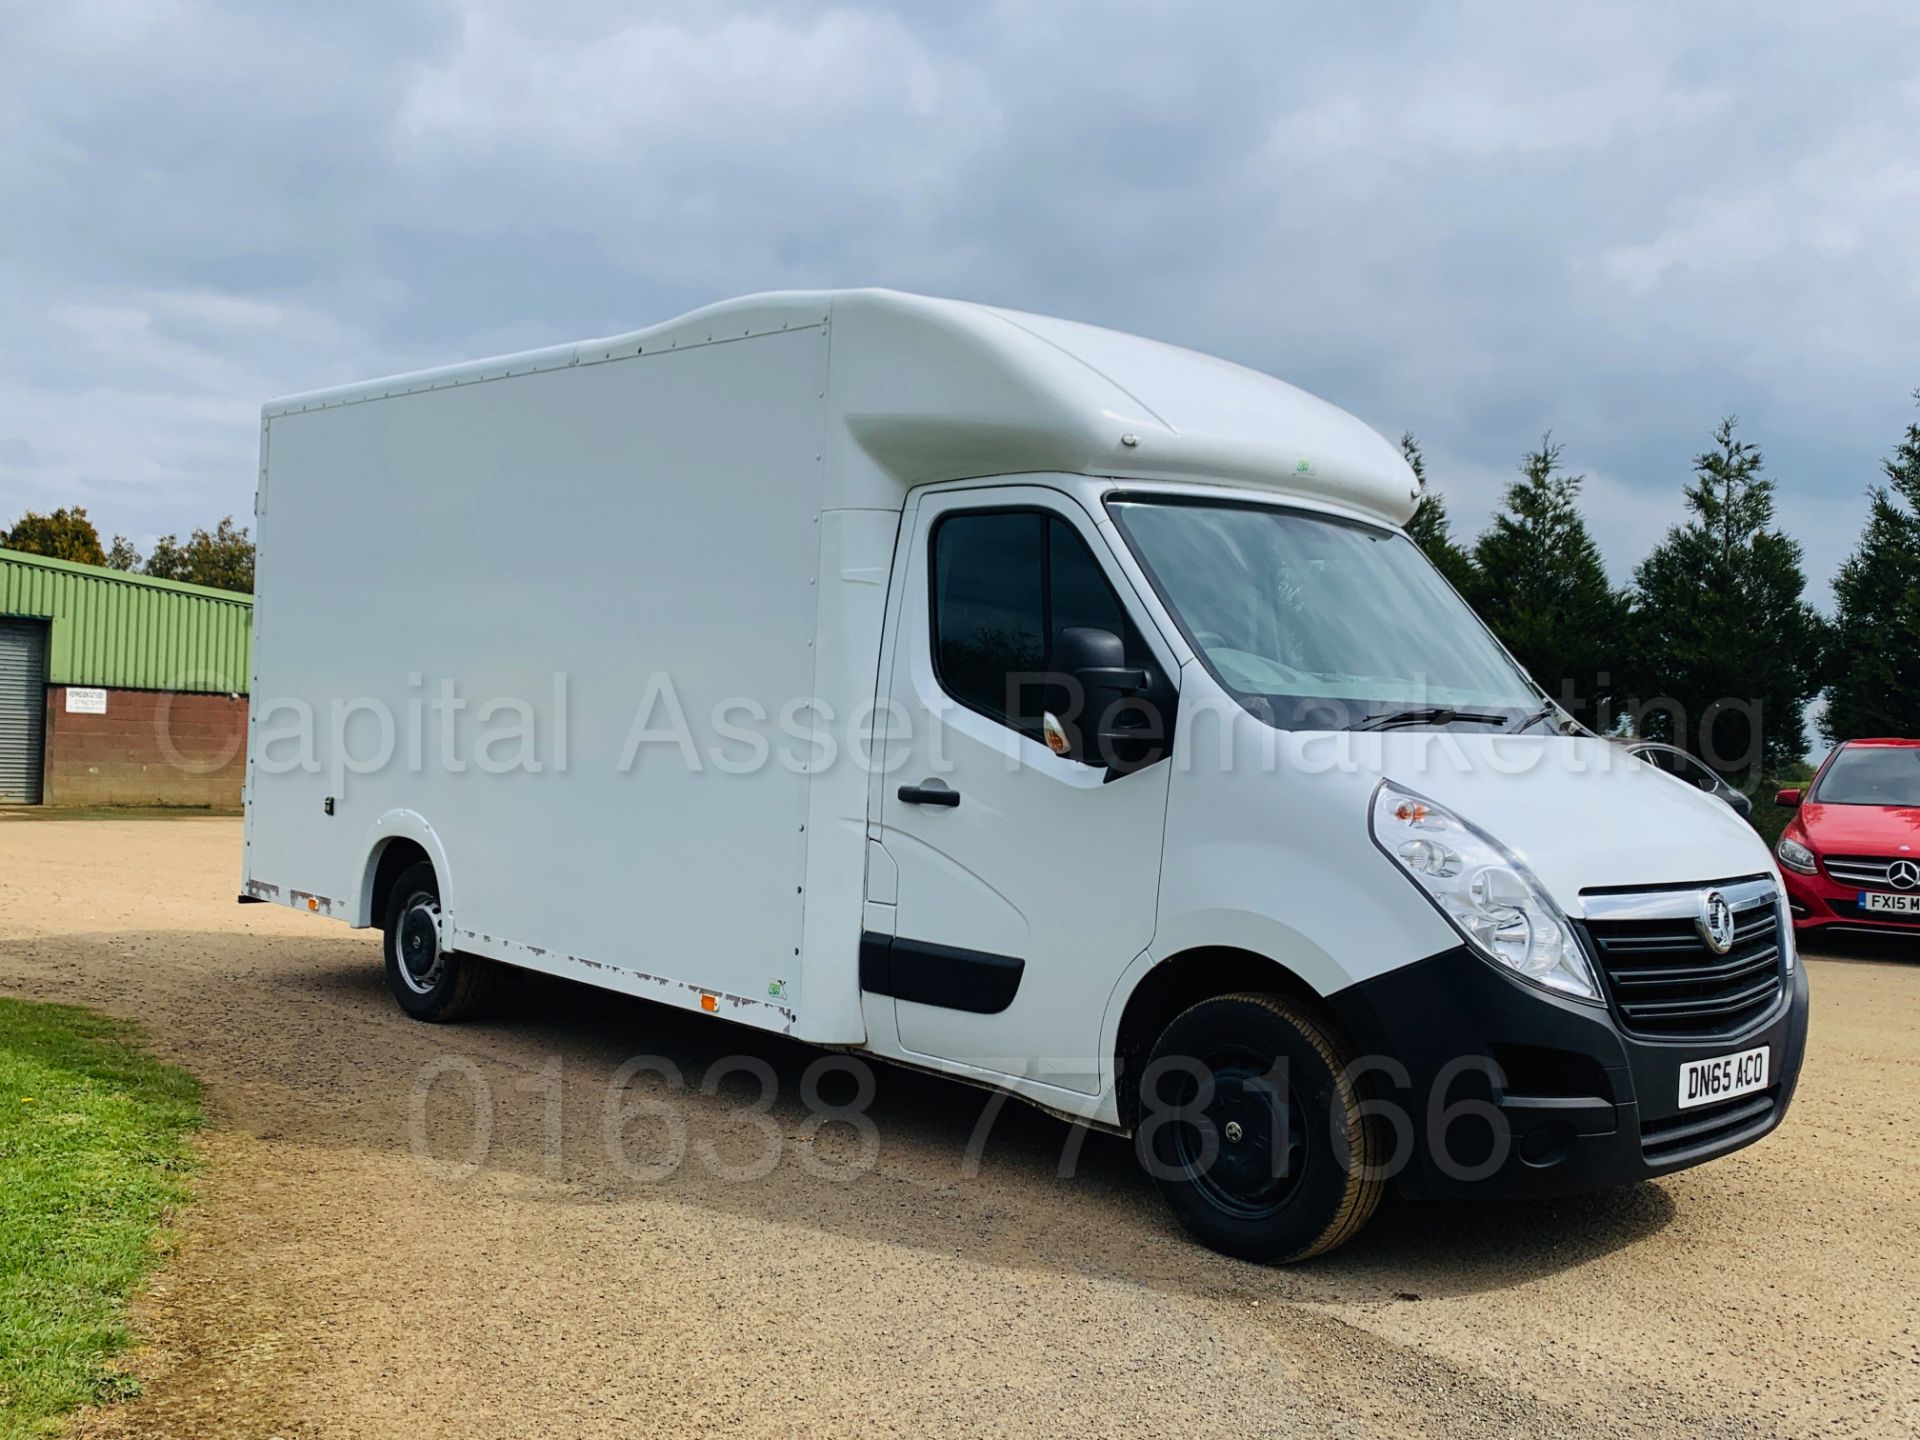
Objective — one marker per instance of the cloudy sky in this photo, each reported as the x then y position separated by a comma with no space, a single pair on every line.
1473,220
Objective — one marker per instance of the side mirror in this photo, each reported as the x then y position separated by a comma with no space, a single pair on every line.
1096,660
1788,798
1115,714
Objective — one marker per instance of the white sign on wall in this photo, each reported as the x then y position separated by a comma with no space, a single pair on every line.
86,702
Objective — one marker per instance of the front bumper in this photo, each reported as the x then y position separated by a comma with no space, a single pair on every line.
1493,1088
1819,902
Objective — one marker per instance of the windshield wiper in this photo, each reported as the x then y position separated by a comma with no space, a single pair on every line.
1434,715
1544,712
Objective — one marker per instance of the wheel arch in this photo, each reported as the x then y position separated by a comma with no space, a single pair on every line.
1179,982
396,840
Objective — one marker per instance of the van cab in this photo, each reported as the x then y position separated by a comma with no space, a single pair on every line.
1150,772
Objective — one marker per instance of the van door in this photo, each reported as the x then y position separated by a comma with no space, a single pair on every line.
1026,882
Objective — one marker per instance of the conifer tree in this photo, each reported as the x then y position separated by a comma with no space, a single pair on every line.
1874,662
1429,526
1539,583
1722,631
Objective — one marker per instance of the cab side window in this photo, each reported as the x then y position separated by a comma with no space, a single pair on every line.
1078,593
989,607
1005,584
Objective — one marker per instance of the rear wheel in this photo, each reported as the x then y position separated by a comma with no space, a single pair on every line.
430,981
1252,1129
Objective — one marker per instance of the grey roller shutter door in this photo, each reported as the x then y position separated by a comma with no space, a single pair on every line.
23,709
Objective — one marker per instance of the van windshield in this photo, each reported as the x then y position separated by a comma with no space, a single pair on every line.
1318,623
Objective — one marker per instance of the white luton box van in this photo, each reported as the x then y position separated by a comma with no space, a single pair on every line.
1010,698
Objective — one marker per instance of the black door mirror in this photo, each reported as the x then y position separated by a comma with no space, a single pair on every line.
1096,659
1112,713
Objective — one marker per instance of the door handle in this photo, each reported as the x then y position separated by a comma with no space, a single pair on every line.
929,795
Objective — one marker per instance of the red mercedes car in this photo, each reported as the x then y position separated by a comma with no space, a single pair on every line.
1851,856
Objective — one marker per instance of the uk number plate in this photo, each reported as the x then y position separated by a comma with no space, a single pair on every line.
1703,1082
1890,904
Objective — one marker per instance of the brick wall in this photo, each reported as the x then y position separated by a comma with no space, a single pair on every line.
152,747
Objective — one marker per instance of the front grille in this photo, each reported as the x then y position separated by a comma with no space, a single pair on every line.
1866,871
1707,1131
1665,980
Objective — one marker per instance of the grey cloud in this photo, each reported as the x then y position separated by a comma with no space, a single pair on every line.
1475,220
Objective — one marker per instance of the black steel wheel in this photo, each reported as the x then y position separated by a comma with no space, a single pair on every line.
1252,1129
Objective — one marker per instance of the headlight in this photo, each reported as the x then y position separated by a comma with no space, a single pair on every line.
1796,856
1484,889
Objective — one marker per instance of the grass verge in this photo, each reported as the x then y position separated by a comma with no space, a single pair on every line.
93,1154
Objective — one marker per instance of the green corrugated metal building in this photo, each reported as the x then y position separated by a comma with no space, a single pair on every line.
110,685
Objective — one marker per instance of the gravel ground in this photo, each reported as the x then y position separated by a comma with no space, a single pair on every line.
348,1275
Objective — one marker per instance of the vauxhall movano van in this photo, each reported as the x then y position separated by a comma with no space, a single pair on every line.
1012,699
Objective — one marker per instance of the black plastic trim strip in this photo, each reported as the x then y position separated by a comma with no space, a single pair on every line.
1701,974
1726,1128
976,981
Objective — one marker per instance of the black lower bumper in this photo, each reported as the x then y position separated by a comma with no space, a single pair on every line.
1492,1087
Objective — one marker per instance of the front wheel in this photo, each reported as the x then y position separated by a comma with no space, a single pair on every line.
1252,1129
430,981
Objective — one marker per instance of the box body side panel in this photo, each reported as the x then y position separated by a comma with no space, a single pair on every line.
510,614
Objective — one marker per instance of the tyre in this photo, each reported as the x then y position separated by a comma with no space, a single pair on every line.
430,982
1252,1130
